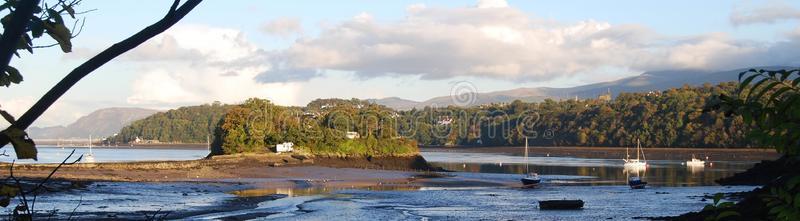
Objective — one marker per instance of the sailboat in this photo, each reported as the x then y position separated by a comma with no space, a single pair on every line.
89,158
531,178
694,162
638,163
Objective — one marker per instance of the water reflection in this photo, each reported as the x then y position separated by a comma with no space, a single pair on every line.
52,154
292,192
695,169
606,171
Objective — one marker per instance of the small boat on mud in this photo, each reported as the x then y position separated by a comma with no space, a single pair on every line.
532,179
636,182
560,204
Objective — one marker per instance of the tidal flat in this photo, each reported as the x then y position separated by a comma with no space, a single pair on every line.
473,186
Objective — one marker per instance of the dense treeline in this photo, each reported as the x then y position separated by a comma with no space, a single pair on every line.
183,125
320,128
671,118
677,117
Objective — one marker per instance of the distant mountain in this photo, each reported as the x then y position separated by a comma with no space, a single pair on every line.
100,123
648,81
395,103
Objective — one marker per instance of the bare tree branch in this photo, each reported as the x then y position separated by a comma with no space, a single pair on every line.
174,15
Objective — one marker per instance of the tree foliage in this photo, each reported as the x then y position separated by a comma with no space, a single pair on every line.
49,18
23,17
320,128
770,100
183,125
677,117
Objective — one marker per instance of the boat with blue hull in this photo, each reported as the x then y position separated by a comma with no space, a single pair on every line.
531,179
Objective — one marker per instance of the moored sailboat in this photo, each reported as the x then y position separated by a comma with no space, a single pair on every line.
638,163
531,179
694,162
89,158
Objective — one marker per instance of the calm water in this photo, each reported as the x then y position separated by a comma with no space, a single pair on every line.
602,171
674,189
53,154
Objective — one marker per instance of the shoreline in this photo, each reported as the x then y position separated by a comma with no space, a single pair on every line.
651,153
204,146
251,179
139,146
238,166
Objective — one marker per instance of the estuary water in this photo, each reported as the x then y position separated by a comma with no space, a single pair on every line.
674,189
54,154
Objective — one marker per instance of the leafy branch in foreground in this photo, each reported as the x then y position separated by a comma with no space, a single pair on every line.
784,201
769,100
27,21
24,147
724,207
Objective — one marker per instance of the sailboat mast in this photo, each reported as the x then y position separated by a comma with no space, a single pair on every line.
627,154
527,167
638,149
90,143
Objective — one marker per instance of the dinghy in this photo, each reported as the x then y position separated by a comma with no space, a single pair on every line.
560,204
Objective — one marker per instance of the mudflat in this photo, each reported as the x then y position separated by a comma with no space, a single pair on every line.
266,170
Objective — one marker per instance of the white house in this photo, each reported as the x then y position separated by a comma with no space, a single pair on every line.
352,135
284,147
445,121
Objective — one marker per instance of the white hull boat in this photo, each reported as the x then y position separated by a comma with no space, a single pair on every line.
640,163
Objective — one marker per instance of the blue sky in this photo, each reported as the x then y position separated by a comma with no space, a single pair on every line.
294,51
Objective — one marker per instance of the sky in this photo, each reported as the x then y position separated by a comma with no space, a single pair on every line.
292,52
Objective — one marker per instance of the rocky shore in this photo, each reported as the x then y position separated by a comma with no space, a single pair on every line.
767,173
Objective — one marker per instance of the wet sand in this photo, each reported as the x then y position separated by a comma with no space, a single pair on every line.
275,170
255,178
252,178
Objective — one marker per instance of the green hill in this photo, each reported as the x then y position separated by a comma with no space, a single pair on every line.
183,125
321,128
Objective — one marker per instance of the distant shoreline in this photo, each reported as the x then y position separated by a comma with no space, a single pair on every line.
200,146
651,153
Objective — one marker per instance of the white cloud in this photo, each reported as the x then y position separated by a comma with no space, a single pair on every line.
283,27
60,113
492,4
494,40
768,14
223,69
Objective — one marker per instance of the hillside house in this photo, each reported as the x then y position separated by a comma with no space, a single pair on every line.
284,147
352,135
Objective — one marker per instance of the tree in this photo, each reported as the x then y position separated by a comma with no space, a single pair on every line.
771,104
13,33
770,101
